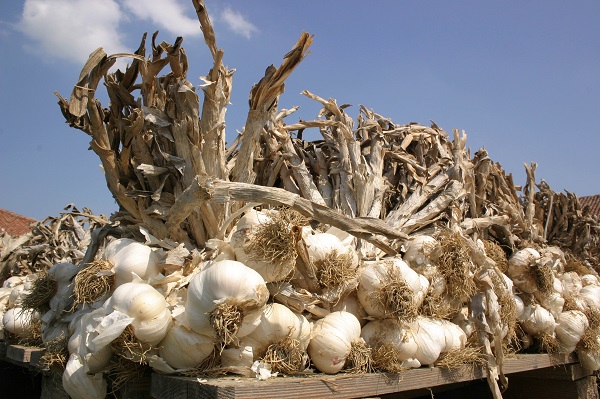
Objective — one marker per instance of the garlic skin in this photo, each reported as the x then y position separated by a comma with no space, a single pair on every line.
332,340
520,267
19,321
589,359
148,308
377,273
129,256
13,281
182,348
79,384
321,245
589,279
228,282
434,337
570,327
572,285
391,331
553,300
277,322
351,304
421,253
85,328
537,320
240,239
590,295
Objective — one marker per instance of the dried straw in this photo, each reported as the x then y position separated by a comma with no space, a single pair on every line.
455,266
494,251
91,285
273,242
458,357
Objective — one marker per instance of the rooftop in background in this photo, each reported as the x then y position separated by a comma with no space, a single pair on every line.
593,201
14,224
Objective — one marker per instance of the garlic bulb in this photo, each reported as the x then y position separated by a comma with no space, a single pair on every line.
570,327
147,307
589,279
571,282
277,323
332,340
391,288
590,358
226,287
537,320
461,319
81,385
17,295
19,321
421,253
13,281
519,307
322,245
434,337
520,269
351,304
552,300
590,294
265,245
335,263
129,256
182,348
395,336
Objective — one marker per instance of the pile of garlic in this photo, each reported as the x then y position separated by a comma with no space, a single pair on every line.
264,311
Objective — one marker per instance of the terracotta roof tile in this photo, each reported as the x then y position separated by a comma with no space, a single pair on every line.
14,224
593,201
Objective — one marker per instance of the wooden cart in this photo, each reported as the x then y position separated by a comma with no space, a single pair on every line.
530,376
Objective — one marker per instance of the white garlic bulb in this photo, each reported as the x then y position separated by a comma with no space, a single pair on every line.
183,348
148,308
81,385
277,322
379,276
392,333
421,254
570,327
589,279
572,284
246,232
226,283
520,269
332,340
537,320
590,294
130,257
19,321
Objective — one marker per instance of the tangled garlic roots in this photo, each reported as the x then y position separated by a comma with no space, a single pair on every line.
335,269
548,343
544,278
385,357
43,289
31,337
56,353
89,285
121,371
285,356
508,309
395,298
589,341
457,357
226,320
359,359
273,242
128,347
495,252
292,217
436,306
455,264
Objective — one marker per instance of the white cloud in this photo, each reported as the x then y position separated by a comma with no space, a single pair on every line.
238,23
72,29
166,14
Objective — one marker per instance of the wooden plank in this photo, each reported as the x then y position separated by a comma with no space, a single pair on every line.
338,386
21,354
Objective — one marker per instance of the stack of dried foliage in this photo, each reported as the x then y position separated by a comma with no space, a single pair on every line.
162,144
56,239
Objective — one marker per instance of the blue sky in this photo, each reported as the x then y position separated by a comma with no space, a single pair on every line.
522,78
